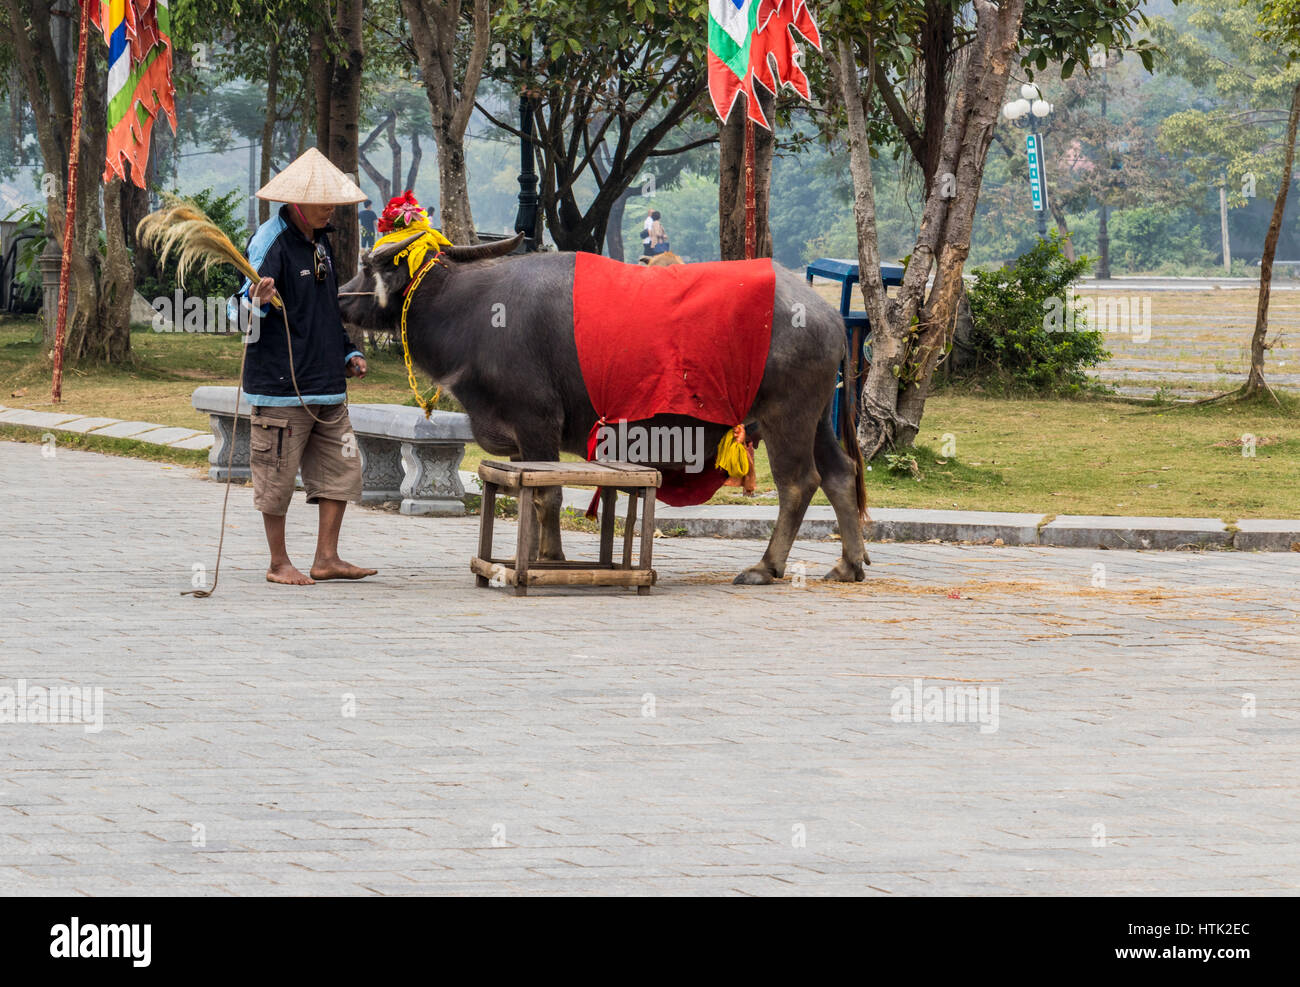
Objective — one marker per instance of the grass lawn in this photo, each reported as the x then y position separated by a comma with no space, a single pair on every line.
1036,455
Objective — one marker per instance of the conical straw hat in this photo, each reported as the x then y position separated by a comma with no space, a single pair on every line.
312,180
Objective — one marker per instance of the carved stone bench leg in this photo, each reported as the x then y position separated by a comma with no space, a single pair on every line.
222,428
381,469
431,478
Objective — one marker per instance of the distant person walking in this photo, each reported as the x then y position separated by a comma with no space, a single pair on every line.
367,218
658,235
645,234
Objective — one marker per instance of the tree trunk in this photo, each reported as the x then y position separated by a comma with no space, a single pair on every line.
912,333
253,200
342,98
1258,344
1103,243
135,206
417,152
456,221
965,153
731,181
322,72
962,358
382,182
395,151
880,389
98,326
614,231
112,343
434,29
269,121
1062,227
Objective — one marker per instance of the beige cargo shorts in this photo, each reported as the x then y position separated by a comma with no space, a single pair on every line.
285,440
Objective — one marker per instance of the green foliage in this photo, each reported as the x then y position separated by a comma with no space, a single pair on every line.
227,212
903,463
1016,342
28,274
1151,239
1280,24
1231,137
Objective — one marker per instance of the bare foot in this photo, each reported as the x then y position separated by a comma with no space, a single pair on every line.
288,574
338,569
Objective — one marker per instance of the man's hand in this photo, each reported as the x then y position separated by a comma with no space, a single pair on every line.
357,366
262,292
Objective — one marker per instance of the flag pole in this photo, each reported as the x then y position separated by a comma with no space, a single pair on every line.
70,206
751,236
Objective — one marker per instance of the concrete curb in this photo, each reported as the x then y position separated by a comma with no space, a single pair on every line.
111,428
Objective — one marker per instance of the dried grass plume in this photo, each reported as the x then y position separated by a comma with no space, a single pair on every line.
182,227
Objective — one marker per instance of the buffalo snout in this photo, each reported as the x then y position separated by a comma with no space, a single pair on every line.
357,302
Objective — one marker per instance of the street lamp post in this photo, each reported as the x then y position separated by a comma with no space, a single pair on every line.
1024,112
526,217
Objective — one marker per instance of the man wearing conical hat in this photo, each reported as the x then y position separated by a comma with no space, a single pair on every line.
297,381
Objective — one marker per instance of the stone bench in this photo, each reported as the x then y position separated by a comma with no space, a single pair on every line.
404,456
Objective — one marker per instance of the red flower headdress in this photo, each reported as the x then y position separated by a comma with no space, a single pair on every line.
402,211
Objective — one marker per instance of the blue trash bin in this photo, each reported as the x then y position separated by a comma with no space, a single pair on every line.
846,273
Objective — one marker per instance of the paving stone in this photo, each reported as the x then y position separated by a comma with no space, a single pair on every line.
378,737
200,441
165,436
36,419
125,430
86,424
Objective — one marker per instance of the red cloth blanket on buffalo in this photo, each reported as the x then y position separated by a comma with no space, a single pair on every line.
688,339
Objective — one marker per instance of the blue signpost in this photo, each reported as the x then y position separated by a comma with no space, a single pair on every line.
1037,182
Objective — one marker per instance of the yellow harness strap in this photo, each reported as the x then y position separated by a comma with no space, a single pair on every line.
426,404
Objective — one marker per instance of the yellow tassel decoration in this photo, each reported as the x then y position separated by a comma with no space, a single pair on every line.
733,457
414,253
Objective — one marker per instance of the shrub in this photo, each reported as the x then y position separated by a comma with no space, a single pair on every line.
1016,344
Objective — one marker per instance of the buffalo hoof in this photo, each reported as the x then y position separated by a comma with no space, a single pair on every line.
845,571
754,576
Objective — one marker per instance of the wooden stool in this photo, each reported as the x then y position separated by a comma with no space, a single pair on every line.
520,479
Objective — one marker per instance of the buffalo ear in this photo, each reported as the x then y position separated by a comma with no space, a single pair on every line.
390,250
485,251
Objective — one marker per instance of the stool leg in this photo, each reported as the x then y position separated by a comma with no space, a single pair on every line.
608,504
486,518
647,537
633,496
524,548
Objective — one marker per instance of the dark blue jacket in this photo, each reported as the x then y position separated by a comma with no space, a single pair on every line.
321,346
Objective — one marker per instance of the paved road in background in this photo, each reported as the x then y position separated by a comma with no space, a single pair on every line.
414,734
1126,282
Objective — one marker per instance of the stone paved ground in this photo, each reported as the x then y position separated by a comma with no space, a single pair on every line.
480,716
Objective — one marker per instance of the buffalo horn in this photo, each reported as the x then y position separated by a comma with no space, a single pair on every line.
389,250
485,251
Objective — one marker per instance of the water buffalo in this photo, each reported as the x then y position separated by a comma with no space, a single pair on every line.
523,388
